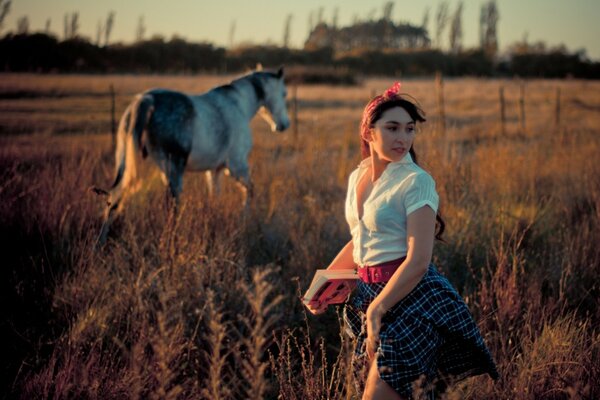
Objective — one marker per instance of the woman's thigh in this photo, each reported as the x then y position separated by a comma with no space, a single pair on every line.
376,388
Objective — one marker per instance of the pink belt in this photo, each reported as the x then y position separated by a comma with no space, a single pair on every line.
379,273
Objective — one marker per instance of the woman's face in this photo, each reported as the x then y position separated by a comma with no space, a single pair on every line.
393,134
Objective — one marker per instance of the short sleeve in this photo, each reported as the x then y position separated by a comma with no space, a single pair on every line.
421,192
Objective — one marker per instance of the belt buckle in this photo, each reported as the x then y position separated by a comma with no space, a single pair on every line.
366,276
372,274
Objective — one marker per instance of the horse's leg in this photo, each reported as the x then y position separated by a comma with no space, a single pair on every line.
174,173
210,182
213,180
241,173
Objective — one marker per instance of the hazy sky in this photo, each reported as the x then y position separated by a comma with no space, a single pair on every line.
574,22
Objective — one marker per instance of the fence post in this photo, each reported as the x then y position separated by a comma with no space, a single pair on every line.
295,111
113,120
557,116
439,82
502,112
522,107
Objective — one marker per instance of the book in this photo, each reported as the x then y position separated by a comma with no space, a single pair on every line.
330,286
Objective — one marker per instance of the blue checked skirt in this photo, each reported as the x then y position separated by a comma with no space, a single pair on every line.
427,336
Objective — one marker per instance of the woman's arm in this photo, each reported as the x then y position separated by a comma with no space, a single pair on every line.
420,237
344,259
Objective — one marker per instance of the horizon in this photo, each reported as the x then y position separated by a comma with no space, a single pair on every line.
561,22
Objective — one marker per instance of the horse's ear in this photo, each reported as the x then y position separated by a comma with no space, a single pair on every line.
259,67
280,72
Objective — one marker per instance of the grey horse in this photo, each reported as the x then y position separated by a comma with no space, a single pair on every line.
208,132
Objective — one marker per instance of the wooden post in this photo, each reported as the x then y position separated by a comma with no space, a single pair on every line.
295,111
113,120
439,82
557,111
522,107
502,112
344,157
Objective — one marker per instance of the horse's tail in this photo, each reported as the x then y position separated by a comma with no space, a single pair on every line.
130,140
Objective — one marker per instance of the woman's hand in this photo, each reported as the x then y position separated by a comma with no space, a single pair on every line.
316,310
374,314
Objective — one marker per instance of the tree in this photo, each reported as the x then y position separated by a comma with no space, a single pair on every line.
388,7
320,15
110,22
487,28
441,20
232,33
23,25
456,29
74,24
66,26
140,30
334,22
286,31
4,9
425,18
99,31
71,25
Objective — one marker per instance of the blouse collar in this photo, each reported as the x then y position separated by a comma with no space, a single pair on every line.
407,159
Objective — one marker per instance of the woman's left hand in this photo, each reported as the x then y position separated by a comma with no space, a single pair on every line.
374,315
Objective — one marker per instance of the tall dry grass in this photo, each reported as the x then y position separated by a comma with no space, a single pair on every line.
203,304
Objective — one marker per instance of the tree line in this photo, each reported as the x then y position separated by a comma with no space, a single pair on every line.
368,46
41,52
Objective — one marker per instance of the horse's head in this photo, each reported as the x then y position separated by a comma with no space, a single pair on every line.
274,109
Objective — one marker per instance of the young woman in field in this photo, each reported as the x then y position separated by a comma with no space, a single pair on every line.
409,322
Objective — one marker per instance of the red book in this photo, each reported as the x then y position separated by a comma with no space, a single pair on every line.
330,286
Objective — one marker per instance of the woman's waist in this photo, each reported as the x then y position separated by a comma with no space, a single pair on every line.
380,272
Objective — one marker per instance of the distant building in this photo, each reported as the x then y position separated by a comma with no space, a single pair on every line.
376,35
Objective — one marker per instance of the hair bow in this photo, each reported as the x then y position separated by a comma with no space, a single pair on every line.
393,90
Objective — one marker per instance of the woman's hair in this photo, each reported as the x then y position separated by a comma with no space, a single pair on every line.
374,110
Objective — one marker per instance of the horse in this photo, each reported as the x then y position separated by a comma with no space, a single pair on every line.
209,132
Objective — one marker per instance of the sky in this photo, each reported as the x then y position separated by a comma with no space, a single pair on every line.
569,22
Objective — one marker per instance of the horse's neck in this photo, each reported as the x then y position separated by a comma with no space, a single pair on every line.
248,102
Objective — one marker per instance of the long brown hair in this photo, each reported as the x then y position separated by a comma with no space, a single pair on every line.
373,112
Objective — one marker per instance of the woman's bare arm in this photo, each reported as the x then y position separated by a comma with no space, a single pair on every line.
344,258
420,237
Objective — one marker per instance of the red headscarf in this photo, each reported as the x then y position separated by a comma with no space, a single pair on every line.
392,93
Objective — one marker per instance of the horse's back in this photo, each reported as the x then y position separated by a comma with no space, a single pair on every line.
170,127
200,128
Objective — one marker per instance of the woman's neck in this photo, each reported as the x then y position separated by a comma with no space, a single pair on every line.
378,165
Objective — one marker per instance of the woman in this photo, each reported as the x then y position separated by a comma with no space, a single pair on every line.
409,322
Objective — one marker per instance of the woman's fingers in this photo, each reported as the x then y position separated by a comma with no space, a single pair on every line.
372,344
316,310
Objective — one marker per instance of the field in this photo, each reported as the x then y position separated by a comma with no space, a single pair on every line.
203,303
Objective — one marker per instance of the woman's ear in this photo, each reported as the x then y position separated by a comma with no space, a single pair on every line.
368,135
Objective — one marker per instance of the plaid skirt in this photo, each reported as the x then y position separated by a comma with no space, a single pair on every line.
427,336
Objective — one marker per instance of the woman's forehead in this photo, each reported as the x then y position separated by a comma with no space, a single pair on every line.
396,114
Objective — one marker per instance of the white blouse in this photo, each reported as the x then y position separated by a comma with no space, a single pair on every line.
402,188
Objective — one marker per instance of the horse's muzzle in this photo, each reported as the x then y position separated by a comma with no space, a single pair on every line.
283,126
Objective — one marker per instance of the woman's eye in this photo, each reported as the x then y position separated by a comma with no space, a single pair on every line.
410,129
392,128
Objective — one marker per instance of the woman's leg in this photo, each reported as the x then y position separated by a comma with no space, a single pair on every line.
376,388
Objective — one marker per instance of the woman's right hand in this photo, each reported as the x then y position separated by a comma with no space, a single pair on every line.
316,310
